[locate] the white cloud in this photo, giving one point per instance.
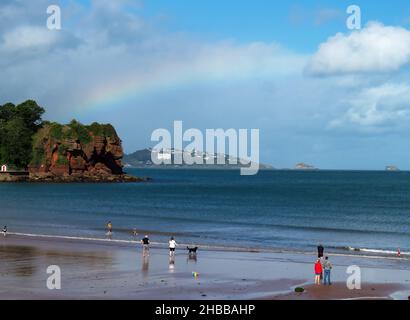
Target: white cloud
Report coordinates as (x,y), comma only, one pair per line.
(379,108)
(26,37)
(376,48)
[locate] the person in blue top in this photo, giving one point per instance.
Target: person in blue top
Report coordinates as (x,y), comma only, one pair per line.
(327,267)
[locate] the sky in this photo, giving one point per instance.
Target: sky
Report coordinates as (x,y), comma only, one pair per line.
(319,92)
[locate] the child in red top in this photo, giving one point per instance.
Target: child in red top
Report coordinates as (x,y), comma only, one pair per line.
(318,271)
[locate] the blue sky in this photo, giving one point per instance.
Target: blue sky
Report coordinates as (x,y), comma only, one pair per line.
(265,20)
(318,92)
(292,23)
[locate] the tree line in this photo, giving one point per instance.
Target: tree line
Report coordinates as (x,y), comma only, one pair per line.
(18,124)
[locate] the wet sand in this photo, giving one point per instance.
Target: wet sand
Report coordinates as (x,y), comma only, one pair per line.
(339,291)
(110,270)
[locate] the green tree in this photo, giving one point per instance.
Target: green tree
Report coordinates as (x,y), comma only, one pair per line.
(30,113)
(18,124)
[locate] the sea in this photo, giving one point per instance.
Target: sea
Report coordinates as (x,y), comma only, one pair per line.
(345,211)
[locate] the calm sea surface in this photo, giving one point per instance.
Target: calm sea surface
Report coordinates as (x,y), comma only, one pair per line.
(275,209)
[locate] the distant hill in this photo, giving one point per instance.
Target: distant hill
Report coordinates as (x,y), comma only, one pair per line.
(142,159)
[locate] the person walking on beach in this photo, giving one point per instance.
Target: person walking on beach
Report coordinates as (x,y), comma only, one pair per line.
(327,266)
(4,231)
(145,246)
(109,229)
(318,271)
(172,246)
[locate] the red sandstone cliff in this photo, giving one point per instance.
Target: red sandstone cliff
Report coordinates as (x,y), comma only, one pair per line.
(77,152)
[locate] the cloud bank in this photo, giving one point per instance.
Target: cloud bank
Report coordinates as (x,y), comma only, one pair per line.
(379,109)
(374,49)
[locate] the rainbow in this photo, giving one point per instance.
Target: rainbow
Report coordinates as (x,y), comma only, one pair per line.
(111,94)
(169,77)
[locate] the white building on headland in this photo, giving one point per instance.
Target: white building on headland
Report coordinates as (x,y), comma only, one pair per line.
(164,156)
(3,168)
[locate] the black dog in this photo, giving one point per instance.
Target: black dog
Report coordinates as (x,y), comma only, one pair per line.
(192,250)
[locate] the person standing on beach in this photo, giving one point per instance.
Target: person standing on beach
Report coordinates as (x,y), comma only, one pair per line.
(327,266)
(172,246)
(145,246)
(5,231)
(318,271)
(320,251)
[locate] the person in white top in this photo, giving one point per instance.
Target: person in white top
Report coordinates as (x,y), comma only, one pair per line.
(172,245)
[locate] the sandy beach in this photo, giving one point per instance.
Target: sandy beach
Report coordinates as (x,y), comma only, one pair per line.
(115,270)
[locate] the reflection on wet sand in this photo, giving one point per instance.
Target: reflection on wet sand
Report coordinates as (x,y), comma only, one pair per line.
(171,263)
(108,270)
(18,261)
(26,261)
(145,266)
(192,258)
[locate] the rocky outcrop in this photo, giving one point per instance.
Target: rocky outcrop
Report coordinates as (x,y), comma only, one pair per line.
(75,152)
(13,176)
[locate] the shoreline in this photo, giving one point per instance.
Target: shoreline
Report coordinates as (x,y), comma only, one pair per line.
(109,269)
(363,253)
(54,179)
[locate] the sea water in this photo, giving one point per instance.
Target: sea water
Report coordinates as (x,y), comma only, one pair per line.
(280,210)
